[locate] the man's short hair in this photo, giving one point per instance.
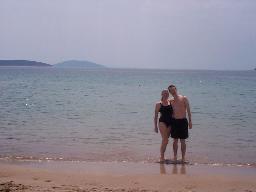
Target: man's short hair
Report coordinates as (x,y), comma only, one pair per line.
(171,86)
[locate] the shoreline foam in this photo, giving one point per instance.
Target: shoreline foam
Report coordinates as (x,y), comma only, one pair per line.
(61,159)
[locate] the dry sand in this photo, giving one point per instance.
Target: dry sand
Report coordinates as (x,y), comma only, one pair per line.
(124,177)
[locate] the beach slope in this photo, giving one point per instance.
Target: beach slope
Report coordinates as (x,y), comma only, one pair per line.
(89,177)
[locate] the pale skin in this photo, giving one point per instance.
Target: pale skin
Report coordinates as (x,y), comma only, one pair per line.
(164,130)
(181,109)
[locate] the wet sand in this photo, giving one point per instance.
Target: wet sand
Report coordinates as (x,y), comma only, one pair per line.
(117,176)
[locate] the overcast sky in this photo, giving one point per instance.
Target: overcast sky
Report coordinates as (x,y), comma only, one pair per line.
(174,34)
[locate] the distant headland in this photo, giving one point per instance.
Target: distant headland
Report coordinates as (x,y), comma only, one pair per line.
(22,63)
(78,64)
(65,64)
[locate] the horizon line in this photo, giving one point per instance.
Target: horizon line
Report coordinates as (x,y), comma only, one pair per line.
(150,68)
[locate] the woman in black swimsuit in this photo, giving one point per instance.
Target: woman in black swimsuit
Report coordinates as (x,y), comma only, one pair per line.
(164,124)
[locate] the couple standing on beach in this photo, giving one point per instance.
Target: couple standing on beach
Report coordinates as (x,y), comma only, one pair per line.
(173,121)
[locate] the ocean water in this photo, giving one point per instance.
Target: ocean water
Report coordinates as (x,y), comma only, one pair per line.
(107,114)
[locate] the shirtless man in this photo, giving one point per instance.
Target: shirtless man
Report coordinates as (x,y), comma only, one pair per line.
(180,123)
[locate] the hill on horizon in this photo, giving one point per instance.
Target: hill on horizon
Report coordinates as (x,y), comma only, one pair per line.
(23,63)
(78,64)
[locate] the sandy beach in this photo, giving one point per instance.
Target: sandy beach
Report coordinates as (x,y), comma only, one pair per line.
(133,177)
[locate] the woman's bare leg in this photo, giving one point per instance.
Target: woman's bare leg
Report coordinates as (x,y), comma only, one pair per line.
(165,132)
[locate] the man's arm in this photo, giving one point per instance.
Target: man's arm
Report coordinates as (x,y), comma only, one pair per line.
(188,111)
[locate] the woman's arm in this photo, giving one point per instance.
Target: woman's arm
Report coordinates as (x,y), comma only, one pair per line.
(156,116)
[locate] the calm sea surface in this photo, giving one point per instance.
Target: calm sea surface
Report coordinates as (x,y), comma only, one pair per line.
(107,114)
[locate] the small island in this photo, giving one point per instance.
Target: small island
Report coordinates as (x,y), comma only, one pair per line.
(22,63)
(78,64)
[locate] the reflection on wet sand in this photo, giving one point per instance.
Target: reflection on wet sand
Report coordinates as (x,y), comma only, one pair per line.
(176,169)
(162,169)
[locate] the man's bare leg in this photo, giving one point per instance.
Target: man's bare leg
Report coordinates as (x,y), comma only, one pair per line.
(183,149)
(175,148)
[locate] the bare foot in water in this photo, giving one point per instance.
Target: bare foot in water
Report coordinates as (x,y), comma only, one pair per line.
(183,161)
(162,160)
